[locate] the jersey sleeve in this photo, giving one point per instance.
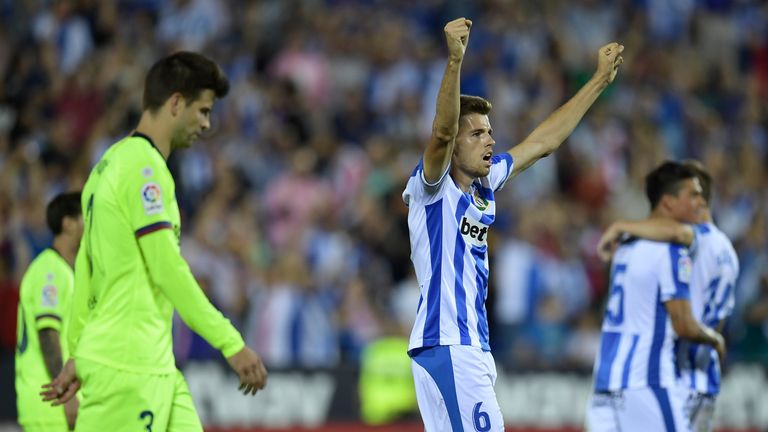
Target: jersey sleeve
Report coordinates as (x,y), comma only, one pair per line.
(78,309)
(171,274)
(675,272)
(501,169)
(147,195)
(418,188)
(48,287)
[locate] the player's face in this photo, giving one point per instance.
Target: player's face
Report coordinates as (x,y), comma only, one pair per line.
(474,145)
(688,205)
(73,226)
(194,119)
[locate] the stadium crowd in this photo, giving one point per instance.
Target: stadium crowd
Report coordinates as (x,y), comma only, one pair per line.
(293,220)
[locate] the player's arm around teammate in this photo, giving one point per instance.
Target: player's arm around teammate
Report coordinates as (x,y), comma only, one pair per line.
(656,229)
(445,126)
(548,136)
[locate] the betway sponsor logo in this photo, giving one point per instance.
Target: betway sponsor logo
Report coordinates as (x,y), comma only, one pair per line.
(474,232)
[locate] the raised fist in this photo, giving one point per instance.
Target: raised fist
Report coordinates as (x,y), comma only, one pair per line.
(608,60)
(457,35)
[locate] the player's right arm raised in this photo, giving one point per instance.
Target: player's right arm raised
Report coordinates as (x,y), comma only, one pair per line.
(438,154)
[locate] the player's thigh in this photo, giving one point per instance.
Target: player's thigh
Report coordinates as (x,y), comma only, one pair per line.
(454,389)
(657,409)
(475,374)
(116,401)
(432,407)
(184,416)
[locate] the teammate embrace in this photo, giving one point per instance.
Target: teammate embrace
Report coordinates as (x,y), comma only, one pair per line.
(688,286)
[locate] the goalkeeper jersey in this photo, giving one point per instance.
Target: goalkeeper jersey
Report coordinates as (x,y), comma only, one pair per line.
(123,314)
(46,289)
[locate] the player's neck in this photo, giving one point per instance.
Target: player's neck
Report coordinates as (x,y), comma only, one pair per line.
(661,213)
(463,181)
(155,127)
(63,245)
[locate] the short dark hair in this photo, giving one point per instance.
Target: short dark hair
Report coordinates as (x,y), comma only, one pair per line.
(666,180)
(63,205)
(705,179)
(473,105)
(183,72)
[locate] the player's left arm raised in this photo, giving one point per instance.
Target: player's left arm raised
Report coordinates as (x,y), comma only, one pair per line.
(548,136)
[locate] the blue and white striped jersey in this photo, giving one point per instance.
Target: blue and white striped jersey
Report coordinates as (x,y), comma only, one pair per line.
(637,341)
(715,270)
(449,249)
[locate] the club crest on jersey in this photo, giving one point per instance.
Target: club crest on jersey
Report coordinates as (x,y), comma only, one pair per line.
(480,202)
(684,268)
(474,232)
(50,297)
(152,198)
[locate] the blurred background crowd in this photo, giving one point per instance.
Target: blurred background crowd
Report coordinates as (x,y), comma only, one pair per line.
(293,220)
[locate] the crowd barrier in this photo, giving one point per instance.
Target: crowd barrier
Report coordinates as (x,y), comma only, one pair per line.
(531,402)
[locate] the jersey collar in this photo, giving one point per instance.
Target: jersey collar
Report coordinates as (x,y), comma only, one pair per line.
(149,140)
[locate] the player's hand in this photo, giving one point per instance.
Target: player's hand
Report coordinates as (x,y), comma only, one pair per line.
(250,369)
(608,60)
(608,243)
(63,387)
(719,346)
(70,410)
(457,36)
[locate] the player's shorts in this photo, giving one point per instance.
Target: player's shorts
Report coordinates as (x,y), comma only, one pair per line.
(638,410)
(45,427)
(700,410)
(454,389)
(38,416)
(115,400)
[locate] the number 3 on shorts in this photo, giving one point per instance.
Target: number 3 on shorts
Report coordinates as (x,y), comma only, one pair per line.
(149,418)
(482,419)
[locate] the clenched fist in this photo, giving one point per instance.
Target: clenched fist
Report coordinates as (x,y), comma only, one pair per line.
(608,61)
(457,35)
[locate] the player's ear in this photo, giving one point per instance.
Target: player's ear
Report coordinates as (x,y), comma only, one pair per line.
(668,202)
(176,103)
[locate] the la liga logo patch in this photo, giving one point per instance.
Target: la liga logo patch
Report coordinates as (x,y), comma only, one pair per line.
(684,268)
(152,198)
(50,297)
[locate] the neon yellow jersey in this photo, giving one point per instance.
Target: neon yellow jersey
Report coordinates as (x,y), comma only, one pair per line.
(122,312)
(44,299)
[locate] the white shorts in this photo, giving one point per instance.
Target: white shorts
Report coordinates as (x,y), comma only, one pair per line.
(638,410)
(700,410)
(454,388)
